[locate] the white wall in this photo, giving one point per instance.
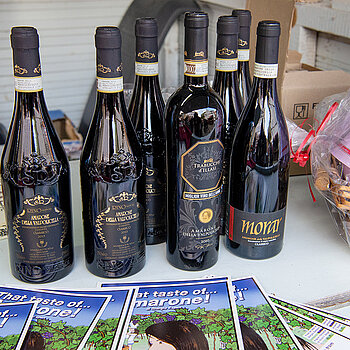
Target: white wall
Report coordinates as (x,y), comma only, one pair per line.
(66,29)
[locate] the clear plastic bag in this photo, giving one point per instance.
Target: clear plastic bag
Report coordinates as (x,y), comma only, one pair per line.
(330,159)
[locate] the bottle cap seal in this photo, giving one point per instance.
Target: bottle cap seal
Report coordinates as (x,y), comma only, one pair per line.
(269,29)
(108,38)
(196,20)
(146,27)
(24,38)
(245,17)
(228,25)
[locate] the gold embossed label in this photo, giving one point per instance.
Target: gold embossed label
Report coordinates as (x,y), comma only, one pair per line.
(118,228)
(39,230)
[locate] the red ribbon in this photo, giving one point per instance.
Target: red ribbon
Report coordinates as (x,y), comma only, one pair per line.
(302,156)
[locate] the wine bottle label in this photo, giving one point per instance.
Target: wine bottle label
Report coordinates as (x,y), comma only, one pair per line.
(39,231)
(108,85)
(201,168)
(243,55)
(224,65)
(117,230)
(155,199)
(265,70)
(146,69)
(31,84)
(196,68)
(256,229)
(199,224)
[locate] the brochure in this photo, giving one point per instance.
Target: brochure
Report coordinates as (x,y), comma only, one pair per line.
(15,319)
(63,320)
(312,335)
(328,314)
(330,322)
(106,333)
(200,314)
(260,322)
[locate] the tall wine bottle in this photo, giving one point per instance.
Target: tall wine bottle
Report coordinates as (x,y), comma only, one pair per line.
(195,135)
(35,175)
(110,168)
(244,80)
(259,170)
(146,110)
(226,85)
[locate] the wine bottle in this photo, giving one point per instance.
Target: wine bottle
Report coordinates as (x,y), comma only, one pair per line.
(259,170)
(110,168)
(35,175)
(146,110)
(226,85)
(244,80)
(195,135)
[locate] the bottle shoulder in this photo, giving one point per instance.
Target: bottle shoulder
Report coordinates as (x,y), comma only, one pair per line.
(188,98)
(32,134)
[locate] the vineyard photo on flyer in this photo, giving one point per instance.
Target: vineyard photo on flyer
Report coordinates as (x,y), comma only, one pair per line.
(15,319)
(259,321)
(61,320)
(200,314)
(105,335)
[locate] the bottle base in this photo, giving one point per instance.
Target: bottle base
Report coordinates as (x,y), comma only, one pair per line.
(253,252)
(31,274)
(115,269)
(200,263)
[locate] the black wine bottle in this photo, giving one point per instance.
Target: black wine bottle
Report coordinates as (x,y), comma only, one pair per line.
(195,135)
(146,110)
(259,170)
(110,167)
(226,85)
(244,80)
(35,175)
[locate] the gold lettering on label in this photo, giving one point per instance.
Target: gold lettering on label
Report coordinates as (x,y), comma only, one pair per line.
(199,54)
(20,70)
(226,51)
(146,54)
(37,69)
(242,42)
(261,227)
(119,68)
(102,69)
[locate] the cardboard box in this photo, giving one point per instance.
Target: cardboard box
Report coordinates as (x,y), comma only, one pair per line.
(72,141)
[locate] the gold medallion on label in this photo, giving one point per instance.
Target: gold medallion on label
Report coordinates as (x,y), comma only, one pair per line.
(205,215)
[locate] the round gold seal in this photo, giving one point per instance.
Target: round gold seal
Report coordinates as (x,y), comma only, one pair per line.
(205,215)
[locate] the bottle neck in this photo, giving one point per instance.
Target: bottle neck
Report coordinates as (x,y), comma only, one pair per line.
(265,85)
(27,70)
(112,101)
(226,53)
(109,72)
(146,58)
(196,56)
(197,81)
